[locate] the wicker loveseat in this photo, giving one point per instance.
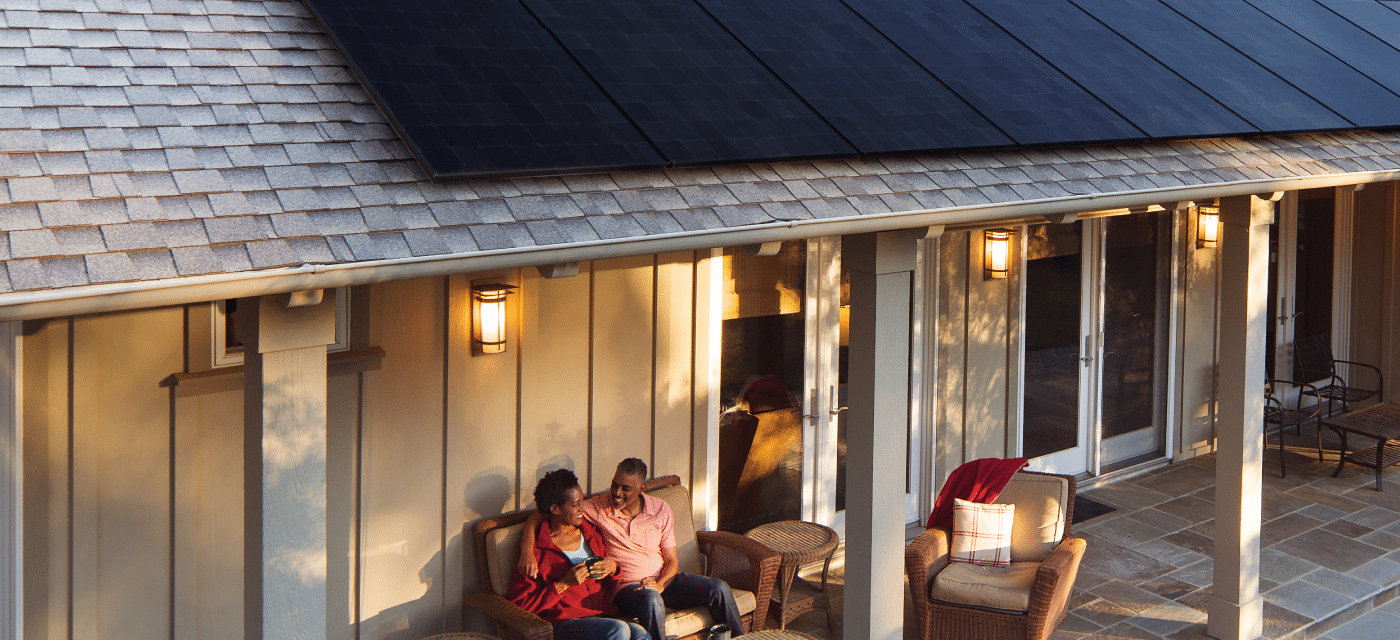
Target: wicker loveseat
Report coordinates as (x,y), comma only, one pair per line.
(1024,602)
(749,567)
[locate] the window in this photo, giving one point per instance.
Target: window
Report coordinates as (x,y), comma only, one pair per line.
(227,351)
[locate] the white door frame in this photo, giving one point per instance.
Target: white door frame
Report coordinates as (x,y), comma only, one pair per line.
(820,380)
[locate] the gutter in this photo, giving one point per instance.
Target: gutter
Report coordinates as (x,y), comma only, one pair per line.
(88,299)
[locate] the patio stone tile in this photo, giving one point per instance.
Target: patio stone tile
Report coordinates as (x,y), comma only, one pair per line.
(1392,529)
(1276,531)
(1330,550)
(1380,572)
(1168,587)
(1374,517)
(1126,531)
(1323,513)
(1123,631)
(1169,553)
(1377,625)
(1167,619)
(1059,634)
(1189,508)
(1207,493)
(1122,563)
(1279,622)
(1349,586)
(1080,597)
(1391,607)
(1193,632)
(1192,541)
(1198,600)
(1103,613)
(1177,480)
(1348,529)
(1128,596)
(1308,599)
(1278,504)
(1160,519)
(1368,496)
(1126,495)
(1201,574)
(1089,578)
(1076,624)
(1206,529)
(1381,539)
(1314,494)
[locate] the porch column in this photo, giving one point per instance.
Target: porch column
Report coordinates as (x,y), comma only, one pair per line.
(284,408)
(881,269)
(1236,610)
(11,485)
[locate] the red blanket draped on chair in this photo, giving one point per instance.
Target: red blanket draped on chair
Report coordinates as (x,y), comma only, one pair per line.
(977,481)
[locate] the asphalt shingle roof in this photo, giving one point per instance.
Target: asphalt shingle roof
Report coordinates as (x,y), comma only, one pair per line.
(150,139)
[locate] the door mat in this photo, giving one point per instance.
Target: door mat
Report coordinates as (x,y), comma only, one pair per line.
(1086,509)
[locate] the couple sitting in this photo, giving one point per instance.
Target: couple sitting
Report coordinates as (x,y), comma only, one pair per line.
(633,572)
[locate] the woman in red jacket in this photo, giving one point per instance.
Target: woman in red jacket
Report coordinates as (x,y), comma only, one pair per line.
(573,583)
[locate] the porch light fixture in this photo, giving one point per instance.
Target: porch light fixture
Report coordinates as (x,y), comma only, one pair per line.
(1207,226)
(489,317)
(996,254)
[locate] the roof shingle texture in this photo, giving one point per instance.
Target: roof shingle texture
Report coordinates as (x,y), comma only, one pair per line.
(150,139)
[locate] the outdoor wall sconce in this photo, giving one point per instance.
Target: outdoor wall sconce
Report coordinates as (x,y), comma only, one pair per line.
(1207,226)
(489,317)
(996,254)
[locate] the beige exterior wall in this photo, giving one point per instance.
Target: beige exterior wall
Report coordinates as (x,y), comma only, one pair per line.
(134,475)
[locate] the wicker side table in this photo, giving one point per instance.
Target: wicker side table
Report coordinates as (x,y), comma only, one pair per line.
(461,635)
(778,635)
(799,543)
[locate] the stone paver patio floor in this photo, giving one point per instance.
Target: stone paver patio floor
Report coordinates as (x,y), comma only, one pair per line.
(1329,561)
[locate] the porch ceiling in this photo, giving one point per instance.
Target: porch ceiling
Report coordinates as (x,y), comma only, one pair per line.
(211,149)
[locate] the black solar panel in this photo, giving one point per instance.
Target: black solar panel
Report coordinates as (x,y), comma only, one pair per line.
(690,86)
(1354,46)
(1251,91)
(1342,88)
(1014,88)
(1371,16)
(1139,88)
(479,88)
(873,93)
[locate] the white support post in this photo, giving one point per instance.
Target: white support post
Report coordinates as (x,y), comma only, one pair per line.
(881,269)
(1236,610)
(11,486)
(285,457)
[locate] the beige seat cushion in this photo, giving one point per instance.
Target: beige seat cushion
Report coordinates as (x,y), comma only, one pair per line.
(502,550)
(687,621)
(999,588)
(687,550)
(1040,514)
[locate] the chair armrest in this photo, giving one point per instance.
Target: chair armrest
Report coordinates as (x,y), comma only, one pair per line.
(743,563)
(1380,377)
(1054,583)
(925,556)
(510,615)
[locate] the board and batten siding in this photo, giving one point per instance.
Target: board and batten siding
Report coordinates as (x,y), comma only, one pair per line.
(133,514)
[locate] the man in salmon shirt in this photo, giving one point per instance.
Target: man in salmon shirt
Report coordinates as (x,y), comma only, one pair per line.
(640,534)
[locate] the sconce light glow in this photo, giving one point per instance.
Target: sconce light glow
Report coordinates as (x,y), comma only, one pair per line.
(489,317)
(1207,226)
(997,253)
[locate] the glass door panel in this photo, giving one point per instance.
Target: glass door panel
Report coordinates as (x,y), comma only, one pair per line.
(1054,305)
(1135,289)
(763,367)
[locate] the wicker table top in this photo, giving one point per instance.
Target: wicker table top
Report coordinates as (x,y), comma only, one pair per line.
(799,542)
(774,634)
(462,635)
(1380,421)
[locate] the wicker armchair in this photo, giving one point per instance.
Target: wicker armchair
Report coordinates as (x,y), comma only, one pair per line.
(1313,358)
(1040,535)
(750,568)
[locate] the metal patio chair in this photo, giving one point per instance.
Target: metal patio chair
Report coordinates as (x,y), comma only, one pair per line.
(1314,359)
(1278,416)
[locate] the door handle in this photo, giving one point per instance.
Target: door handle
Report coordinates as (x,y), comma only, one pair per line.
(1087,358)
(835,410)
(812,403)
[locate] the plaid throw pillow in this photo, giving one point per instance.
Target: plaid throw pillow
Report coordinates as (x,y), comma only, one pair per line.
(982,533)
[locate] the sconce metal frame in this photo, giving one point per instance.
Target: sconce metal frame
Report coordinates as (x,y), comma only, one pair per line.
(489,317)
(1207,226)
(996,253)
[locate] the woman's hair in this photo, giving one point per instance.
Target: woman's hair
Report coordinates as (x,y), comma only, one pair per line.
(553,489)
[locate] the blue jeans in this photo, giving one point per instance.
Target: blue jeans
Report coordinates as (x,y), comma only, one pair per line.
(599,629)
(684,592)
